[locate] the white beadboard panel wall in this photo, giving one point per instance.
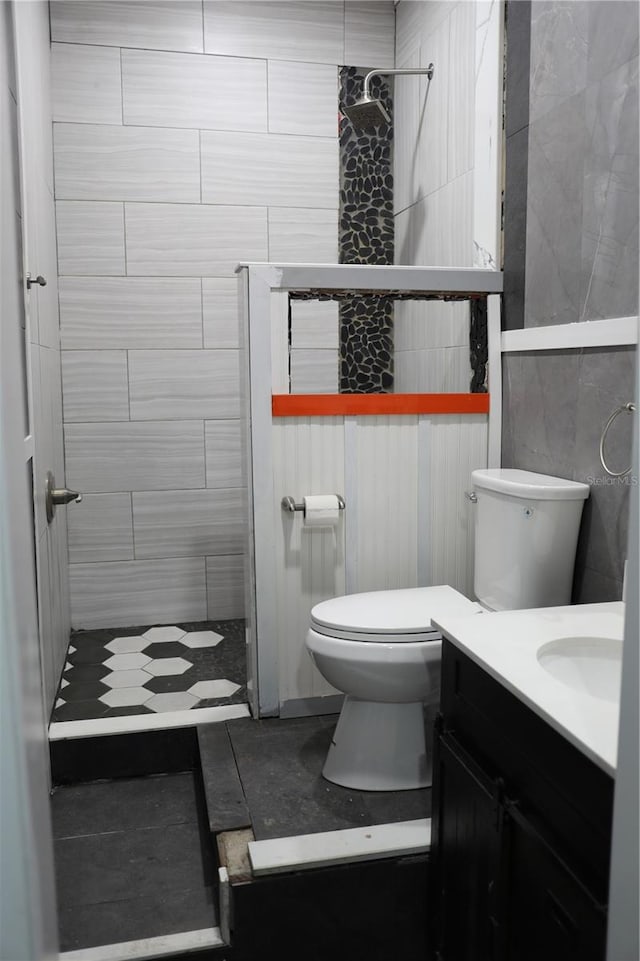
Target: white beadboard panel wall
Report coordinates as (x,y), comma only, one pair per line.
(195,240)
(274,169)
(86,82)
(369,33)
(220,312)
(149,235)
(290,30)
(410,522)
(184,384)
(457,446)
(130,312)
(123,593)
(387,484)
(225,586)
(90,238)
(303,235)
(95,385)
(201,92)
(154,24)
(303,98)
(106,162)
(308,458)
(102,458)
(187,523)
(223,453)
(101,529)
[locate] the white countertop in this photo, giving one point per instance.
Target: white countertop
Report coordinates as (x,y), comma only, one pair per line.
(505,645)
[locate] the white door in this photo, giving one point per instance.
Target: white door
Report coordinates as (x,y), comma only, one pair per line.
(27,905)
(43,334)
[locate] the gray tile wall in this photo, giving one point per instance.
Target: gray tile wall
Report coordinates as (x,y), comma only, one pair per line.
(580,113)
(188,136)
(571,254)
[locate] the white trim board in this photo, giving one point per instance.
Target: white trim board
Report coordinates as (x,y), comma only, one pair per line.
(168,944)
(494,341)
(101,726)
(278,855)
(616,332)
(362,277)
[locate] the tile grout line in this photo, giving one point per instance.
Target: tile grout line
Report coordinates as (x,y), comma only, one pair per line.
(199,53)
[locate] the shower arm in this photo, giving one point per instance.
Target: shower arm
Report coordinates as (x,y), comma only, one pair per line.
(366,94)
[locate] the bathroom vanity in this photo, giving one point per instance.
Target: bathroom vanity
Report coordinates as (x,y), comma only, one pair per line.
(524,759)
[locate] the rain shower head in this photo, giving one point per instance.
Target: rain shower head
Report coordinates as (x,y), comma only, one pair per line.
(369,112)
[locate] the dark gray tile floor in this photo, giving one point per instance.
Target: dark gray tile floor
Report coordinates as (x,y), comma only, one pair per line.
(145,670)
(133,860)
(280,764)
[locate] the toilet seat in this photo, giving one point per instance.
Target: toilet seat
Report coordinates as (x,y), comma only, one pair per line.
(397,617)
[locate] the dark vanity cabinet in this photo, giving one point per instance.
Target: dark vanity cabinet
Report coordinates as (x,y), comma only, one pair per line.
(521,830)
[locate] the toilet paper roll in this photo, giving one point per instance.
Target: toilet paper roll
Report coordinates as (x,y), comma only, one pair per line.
(321,510)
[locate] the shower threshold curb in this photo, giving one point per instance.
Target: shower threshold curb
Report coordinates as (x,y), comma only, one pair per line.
(397,839)
(132,723)
(167,945)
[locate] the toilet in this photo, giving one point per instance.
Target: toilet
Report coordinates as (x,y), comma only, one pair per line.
(381,649)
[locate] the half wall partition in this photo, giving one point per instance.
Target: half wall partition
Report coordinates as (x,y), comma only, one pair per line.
(400,461)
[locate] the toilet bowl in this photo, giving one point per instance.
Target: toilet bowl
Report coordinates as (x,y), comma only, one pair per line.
(382,651)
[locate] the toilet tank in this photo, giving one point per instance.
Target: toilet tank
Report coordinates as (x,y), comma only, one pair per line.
(526,532)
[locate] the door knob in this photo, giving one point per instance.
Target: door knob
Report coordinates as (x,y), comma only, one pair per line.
(35,280)
(55,496)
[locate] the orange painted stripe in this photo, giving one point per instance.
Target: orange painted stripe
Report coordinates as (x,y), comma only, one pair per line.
(331,405)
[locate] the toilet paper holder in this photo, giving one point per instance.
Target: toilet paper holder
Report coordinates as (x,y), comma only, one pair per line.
(288,504)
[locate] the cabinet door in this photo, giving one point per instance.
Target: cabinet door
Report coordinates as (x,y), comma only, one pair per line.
(466,847)
(551,914)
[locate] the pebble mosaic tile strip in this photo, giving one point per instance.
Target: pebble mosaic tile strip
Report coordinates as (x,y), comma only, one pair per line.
(366,237)
(478,346)
(116,672)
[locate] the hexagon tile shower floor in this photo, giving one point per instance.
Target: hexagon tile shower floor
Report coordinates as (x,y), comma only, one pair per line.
(119,671)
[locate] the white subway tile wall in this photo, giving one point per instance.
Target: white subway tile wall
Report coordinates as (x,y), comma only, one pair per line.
(90,238)
(189,136)
(433,185)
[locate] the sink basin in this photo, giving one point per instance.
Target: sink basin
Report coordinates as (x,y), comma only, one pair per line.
(590,665)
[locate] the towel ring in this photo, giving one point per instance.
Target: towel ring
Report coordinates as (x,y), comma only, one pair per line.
(630,409)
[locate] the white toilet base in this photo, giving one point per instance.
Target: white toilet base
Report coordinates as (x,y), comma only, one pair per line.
(379,747)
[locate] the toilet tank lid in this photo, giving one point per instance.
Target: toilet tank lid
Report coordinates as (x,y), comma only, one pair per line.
(528,484)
